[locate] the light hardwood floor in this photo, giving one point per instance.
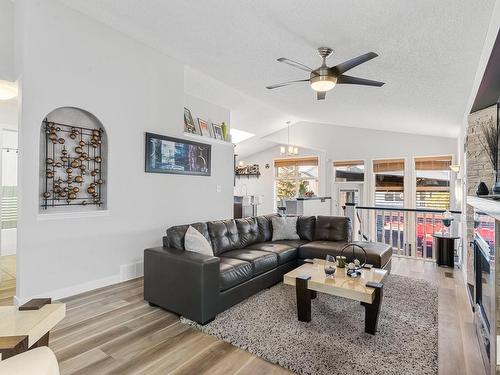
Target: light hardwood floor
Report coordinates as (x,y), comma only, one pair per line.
(113,331)
(7,279)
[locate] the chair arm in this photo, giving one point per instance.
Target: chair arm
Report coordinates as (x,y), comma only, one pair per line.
(184,282)
(41,361)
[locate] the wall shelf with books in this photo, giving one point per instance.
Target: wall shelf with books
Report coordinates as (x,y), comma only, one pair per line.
(212,131)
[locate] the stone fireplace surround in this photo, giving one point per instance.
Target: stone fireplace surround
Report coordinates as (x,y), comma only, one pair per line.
(478,169)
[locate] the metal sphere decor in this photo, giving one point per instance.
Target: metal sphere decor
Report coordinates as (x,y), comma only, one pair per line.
(349,252)
(70,150)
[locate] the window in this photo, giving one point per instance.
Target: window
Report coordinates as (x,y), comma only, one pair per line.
(389,192)
(432,191)
(433,182)
(349,171)
(389,182)
(296,177)
(9,180)
(238,136)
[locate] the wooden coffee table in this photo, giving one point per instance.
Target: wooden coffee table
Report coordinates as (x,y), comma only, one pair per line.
(310,278)
(27,329)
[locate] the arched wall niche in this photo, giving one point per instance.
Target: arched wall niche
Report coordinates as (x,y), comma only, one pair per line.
(73,162)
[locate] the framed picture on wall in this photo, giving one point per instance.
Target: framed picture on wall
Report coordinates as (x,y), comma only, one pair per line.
(176,156)
(204,128)
(217,129)
(189,126)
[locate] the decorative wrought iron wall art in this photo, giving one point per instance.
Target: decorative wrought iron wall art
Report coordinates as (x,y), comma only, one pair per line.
(73,165)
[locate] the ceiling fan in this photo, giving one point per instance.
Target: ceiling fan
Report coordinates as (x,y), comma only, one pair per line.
(325,78)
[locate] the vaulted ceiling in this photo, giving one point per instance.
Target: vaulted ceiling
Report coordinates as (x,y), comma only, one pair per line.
(429,51)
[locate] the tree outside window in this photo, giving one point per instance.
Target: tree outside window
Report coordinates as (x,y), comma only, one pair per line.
(296,177)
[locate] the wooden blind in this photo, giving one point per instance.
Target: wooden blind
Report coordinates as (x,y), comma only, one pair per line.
(310,161)
(388,165)
(348,163)
(432,163)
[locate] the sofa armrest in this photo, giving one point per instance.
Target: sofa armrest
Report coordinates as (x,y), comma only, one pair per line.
(183,282)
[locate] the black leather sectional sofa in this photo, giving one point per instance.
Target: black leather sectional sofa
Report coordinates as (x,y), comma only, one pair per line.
(246,261)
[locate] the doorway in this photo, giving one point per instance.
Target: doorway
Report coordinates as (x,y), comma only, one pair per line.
(8,197)
(346,192)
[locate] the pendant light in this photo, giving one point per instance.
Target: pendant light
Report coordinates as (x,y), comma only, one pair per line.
(289,149)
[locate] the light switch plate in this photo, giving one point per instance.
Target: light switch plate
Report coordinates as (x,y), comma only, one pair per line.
(218,188)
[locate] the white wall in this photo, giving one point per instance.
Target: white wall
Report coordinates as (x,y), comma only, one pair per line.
(131,89)
(247,113)
(8,114)
(6,40)
(344,143)
(333,142)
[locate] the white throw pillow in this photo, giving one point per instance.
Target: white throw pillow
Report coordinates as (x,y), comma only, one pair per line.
(285,228)
(196,242)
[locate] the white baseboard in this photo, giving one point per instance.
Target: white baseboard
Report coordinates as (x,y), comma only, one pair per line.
(131,271)
(135,270)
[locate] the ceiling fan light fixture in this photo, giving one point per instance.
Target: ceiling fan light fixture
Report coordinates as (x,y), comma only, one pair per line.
(323,83)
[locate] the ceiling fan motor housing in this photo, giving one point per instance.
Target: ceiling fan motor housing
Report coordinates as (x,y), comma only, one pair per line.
(322,79)
(325,52)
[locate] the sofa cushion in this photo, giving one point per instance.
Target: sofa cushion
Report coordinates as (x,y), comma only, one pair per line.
(196,242)
(265,227)
(233,272)
(248,231)
(261,261)
(285,228)
(332,228)
(176,234)
(305,227)
(285,250)
(224,235)
(378,253)
(320,249)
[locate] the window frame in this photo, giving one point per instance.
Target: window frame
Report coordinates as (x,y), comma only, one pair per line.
(296,176)
(351,163)
(451,181)
(406,173)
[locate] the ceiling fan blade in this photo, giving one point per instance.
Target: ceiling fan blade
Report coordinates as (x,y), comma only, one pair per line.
(349,64)
(295,64)
(286,84)
(343,79)
(321,95)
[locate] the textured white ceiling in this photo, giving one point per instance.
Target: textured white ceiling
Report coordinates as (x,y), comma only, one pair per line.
(429,51)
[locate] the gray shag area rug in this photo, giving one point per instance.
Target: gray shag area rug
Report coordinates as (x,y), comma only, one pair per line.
(334,342)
